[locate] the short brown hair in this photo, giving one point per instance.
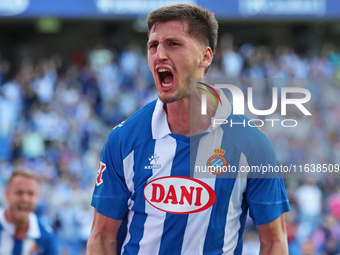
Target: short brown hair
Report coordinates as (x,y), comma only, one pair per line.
(22,172)
(202,23)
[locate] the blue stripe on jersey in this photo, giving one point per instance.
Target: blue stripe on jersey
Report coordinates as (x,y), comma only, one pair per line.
(141,175)
(215,234)
(134,131)
(175,224)
(122,231)
(173,232)
(141,159)
(194,143)
(132,247)
(47,241)
(17,247)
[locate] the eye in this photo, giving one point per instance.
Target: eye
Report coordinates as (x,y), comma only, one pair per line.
(152,46)
(174,44)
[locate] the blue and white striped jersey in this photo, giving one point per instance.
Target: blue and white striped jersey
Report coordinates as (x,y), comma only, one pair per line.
(39,241)
(149,177)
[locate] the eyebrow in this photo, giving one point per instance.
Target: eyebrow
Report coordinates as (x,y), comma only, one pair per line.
(152,42)
(170,39)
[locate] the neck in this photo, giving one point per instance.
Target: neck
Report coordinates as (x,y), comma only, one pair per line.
(178,115)
(185,118)
(21,226)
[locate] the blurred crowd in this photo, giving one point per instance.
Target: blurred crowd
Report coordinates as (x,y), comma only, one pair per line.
(56,113)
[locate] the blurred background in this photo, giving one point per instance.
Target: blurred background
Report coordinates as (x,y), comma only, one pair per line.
(70,70)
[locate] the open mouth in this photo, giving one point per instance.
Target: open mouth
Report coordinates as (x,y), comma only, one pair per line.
(23,208)
(166,77)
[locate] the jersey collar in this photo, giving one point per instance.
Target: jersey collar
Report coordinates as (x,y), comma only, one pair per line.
(159,122)
(33,225)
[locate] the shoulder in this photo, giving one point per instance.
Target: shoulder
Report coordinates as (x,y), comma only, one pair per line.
(46,231)
(249,140)
(134,130)
(47,242)
(244,132)
(141,118)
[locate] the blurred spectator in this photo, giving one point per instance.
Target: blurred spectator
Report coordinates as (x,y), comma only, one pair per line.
(21,230)
(308,248)
(309,203)
(4,68)
(232,60)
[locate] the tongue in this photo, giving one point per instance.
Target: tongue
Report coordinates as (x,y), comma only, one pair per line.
(168,79)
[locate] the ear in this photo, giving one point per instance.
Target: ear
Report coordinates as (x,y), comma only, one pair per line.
(207,57)
(7,194)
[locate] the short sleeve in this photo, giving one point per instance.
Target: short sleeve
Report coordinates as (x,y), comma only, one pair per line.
(111,194)
(47,241)
(265,193)
(52,246)
(267,199)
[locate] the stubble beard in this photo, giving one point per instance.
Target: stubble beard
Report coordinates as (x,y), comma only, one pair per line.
(17,217)
(179,95)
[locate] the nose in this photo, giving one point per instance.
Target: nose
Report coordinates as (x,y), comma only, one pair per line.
(161,53)
(25,197)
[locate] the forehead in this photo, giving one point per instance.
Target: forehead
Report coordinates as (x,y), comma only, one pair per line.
(23,182)
(169,29)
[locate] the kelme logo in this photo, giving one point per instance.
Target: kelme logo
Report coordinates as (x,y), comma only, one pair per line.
(180,195)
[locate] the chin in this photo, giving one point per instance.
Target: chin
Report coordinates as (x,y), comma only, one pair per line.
(167,99)
(22,216)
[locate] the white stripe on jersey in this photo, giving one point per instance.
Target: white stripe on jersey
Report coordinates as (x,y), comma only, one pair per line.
(27,246)
(198,223)
(128,163)
(166,150)
(129,218)
(128,172)
(233,224)
(6,243)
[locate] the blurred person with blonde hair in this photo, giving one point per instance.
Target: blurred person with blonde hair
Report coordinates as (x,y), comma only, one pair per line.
(21,232)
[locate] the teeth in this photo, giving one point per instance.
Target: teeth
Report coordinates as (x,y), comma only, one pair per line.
(23,208)
(163,70)
(166,84)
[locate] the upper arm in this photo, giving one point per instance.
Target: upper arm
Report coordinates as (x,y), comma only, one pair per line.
(103,238)
(273,232)
(104,225)
(111,194)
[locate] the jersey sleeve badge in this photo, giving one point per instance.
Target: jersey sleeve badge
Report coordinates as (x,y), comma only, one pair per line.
(101,169)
